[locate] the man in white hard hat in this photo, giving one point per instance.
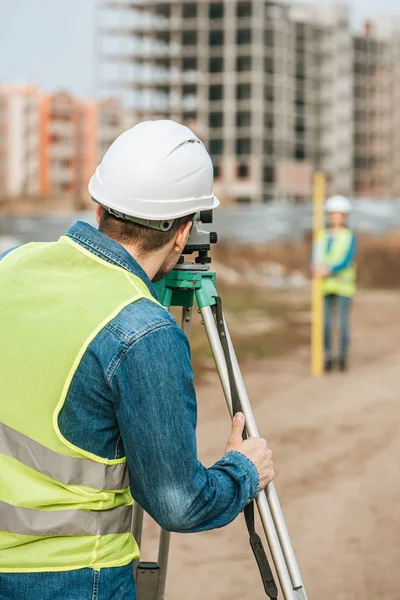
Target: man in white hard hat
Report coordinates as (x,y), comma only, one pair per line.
(336,264)
(97,403)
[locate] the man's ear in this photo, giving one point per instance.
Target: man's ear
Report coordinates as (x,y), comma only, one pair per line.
(99,210)
(181,237)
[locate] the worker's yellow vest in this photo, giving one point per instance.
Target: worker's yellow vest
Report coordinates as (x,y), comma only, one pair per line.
(61,507)
(342,283)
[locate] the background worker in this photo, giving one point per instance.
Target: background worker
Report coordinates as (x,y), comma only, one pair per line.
(335,262)
(95,376)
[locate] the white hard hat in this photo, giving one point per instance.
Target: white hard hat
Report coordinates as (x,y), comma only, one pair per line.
(338,204)
(156,171)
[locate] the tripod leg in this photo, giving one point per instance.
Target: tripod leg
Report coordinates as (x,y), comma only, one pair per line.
(163,555)
(289,589)
(270,492)
(137,529)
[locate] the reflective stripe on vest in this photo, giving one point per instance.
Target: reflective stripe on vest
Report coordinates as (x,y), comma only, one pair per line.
(26,521)
(65,469)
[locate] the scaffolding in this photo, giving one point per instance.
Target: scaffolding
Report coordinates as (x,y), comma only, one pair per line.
(271,88)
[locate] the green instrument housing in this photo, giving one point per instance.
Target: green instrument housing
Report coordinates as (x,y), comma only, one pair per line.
(181,287)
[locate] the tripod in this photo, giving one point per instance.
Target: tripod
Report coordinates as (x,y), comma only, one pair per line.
(187,284)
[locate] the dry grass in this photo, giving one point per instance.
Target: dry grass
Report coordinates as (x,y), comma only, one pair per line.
(263,325)
(266,323)
(378,259)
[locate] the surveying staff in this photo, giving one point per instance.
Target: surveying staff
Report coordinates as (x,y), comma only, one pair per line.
(335,263)
(96,382)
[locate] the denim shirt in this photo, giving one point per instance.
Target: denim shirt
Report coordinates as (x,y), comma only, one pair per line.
(133,395)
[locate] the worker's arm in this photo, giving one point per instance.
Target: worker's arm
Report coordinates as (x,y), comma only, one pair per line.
(156,409)
(348,259)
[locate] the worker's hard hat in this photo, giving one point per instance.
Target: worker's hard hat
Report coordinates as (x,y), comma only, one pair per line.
(338,204)
(156,171)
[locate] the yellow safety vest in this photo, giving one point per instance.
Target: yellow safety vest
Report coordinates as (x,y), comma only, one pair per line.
(61,507)
(342,283)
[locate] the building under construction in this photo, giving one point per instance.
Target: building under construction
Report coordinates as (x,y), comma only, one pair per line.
(275,90)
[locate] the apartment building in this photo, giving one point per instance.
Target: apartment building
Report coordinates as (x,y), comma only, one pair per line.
(68,144)
(111,120)
(50,145)
(266,85)
(19,140)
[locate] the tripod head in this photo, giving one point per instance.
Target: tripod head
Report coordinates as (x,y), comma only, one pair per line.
(199,241)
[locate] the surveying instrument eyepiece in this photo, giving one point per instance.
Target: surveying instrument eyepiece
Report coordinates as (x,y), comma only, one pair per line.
(187,285)
(199,241)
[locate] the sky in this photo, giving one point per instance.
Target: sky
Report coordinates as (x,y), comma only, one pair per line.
(50,43)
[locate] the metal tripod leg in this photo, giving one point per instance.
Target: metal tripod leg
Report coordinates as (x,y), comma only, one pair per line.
(151,578)
(267,503)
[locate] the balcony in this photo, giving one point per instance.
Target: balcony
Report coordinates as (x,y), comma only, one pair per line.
(61,174)
(62,129)
(62,151)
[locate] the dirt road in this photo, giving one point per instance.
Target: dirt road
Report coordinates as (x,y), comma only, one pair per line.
(337,452)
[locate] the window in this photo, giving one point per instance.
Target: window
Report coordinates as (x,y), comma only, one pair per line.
(217,171)
(163,10)
(216,38)
(189,63)
(243,91)
(360,91)
(243,64)
(361,44)
(360,162)
(216,119)
(243,171)
(361,139)
(216,10)
(299,152)
(269,93)
(300,30)
(163,36)
(268,121)
(361,116)
(268,37)
(243,146)
(189,117)
(189,90)
(243,36)
(215,92)
(243,119)
(268,65)
(189,11)
(300,127)
(268,147)
(216,65)
(216,147)
(269,174)
(243,9)
(189,38)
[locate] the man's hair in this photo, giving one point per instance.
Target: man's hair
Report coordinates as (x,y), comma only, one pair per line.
(145,238)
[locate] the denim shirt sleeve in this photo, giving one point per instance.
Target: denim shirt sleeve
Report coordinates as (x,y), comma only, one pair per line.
(156,408)
(348,259)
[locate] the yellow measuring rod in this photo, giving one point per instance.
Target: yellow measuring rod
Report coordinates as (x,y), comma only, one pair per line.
(317,352)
